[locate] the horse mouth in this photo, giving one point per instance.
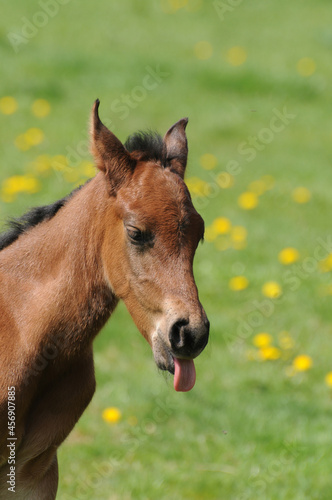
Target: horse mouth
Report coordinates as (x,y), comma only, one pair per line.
(167,365)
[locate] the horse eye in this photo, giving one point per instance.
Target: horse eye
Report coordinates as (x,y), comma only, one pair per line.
(137,236)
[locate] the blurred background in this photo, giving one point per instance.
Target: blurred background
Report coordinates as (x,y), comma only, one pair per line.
(254,78)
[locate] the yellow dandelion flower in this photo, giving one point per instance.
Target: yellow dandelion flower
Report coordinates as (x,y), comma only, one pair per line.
(198,187)
(41,108)
(222,225)
(88,168)
(288,256)
(269,353)
(34,136)
(13,184)
(248,200)
(301,195)
(19,184)
(272,289)
(236,56)
(258,187)
(262,339)
(208,161)
(239,234)
(306,66)
(302,363)
(238,283)
(203,50)
(112,415)
(328,379)
(325,265)
(31,185)
(8,105)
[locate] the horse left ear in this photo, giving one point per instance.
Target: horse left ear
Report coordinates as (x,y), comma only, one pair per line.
(110,154)
(176,147)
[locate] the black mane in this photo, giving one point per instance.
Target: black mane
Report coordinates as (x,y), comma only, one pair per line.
(150,144)
(20,225)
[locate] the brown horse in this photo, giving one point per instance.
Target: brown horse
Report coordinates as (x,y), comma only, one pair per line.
(129,233)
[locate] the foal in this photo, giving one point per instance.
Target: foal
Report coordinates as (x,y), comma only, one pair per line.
(129,233)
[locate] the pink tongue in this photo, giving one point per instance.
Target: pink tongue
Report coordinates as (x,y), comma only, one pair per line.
(185,374)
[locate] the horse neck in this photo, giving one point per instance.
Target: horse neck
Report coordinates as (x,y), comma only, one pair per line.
(58,265)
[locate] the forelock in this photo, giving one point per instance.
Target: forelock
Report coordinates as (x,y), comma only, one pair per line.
(148,145)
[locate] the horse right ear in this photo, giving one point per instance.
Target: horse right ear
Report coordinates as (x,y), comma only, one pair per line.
(111,156)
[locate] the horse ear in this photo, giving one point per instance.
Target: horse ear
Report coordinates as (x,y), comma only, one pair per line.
(111,156)
(176,147)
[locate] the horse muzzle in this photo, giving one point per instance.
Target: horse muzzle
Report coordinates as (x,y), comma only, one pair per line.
(186,340)
(176,350)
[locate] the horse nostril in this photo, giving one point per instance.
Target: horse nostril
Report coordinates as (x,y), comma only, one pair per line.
(176,334)
(188,340)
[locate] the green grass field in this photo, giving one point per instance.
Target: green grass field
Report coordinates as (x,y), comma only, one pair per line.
(254,78)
